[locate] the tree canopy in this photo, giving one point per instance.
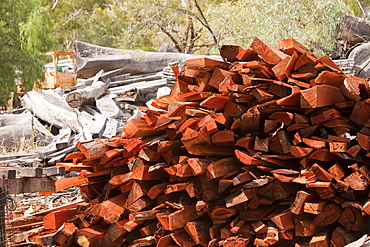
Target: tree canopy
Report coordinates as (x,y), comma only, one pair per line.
(25,30)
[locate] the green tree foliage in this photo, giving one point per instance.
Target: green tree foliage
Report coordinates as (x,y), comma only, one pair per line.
(360,8)
(312,23)
(78,19)
(143,25)
(24,33)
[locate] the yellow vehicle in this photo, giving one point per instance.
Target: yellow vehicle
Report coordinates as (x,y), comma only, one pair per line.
(60,72)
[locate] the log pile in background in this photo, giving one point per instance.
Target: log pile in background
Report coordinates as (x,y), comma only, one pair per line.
(269,148)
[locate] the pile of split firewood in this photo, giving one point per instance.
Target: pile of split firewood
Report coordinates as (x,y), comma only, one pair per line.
(268,148)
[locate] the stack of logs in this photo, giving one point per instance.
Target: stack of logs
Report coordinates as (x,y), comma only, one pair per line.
(268,148)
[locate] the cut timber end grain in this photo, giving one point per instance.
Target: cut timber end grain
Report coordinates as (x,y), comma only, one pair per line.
(230,52)
(199,231)
(289,46)
(178,219)
(337,171)
(87,237)
(282,117)
(235,242)
(274,190)
(320,95)
(304,227)
(284,220)
(239,197)
(329,63)
(272,235)
(223,138)
(330,78)
(139,128)
(65,234)
(364,141)
(357,181)
(206,64)
(360,113)
(320,240)
(93,149)
(56,219)
(300,152)
(342,237)
(112,209)
(181,238)
(224,168)
(314,207)
(216,102)
(298,205)
(267,52)
(320,173)
(352,219)
(329,215)
(247,55)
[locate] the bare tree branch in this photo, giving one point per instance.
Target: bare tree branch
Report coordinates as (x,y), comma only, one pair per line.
(72,17)
(202,20)
(207,25)
(177,45)
(54,5)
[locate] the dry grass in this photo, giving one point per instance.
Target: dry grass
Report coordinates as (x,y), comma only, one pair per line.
(22,146)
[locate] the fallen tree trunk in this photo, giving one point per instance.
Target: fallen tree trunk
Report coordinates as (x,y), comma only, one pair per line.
(90,59)
(86,95)
(354,30)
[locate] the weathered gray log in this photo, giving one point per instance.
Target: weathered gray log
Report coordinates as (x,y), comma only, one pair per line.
(98,127)
(19,161)
(110,128)
(17,156)
(354,30)
(108,107)
(53,109)
(92,58)
(147,86)
(134,79)
(361,57)
(86,95)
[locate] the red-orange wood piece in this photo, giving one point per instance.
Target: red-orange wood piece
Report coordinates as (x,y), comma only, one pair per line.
(330,78)
(247,55)
(54,220)
(230,52)
(329,215)
(65,183)
(87,237)
(321,95)
(93,149)
(267,52)
(112,209)
(223,168)
(206,64)
(217,102)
